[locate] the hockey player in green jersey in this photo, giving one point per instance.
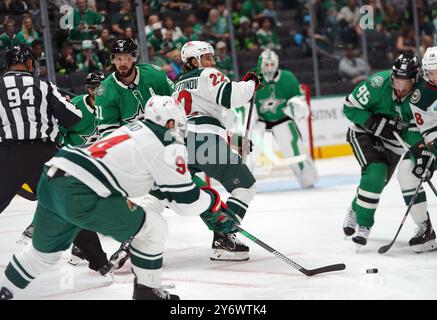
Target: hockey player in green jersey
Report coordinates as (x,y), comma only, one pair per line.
(85,132)
(411,169)
(206,93)
(376,108)
(88,188)
(121,98)
(280,104)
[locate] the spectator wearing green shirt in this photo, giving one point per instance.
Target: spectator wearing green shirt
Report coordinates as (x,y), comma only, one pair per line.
(8,39)
(124,18)
(224,61)
(216,28)
(246,37)
(87,61)
(267,39)
(150,22)
(196,27)
(156,39)
(28,32)
(252,9)
(86,22)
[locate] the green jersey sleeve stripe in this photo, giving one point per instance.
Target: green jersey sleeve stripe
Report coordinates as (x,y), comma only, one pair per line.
(177,189)
(175,186)
(86,164)
(226,95)
(179,197)
(114,179)
(217,99)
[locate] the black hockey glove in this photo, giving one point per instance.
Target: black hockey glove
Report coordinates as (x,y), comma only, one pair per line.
(382,127)
(422,155)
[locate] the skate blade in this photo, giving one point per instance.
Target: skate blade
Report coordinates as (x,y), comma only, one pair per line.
(224,255)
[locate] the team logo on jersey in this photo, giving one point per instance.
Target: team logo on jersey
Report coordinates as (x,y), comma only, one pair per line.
(376,81)
(415,97)
(100,90)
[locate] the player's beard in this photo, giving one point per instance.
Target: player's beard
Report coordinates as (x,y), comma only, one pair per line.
(124,74)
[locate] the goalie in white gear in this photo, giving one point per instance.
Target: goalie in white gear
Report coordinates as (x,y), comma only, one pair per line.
(88,188)
(280,106)
(205,92)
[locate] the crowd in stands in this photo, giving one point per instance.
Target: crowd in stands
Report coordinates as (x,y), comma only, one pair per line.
(258,24)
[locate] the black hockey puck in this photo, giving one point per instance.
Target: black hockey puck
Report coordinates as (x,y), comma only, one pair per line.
(372,270)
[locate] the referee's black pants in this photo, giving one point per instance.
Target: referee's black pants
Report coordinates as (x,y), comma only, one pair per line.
(22,162)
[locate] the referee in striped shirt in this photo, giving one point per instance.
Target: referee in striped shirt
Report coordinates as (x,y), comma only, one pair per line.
(30,111)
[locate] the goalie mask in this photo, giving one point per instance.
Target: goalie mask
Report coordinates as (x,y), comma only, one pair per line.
(196,49)
(161,109)
(269,64)
(429,66)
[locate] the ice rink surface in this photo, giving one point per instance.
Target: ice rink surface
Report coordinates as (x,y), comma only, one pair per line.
(305,225)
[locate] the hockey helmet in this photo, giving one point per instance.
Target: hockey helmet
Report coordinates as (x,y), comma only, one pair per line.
(269,64)
(429,62)
(127,45)
(196,49)
(19,54)
(406,66)
(94,79)
(161,109)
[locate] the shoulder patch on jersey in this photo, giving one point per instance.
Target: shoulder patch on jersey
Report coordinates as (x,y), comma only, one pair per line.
(376,81)
(415,97)
(100,90)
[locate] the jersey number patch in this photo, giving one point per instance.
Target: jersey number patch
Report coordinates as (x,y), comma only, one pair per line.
(98,149)
(180,164)
(215,78)
(188,100)
(419,119)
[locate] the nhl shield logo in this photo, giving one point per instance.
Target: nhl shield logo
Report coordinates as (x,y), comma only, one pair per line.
(415,97)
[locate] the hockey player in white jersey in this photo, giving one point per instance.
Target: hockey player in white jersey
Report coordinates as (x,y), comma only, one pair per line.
(205,92)
(88,188)
(412,166)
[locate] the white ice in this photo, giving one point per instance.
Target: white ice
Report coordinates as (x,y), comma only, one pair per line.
(305,225)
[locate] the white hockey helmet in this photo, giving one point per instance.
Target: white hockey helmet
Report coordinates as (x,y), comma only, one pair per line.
(429,61)
(195,49)
(269,64)
(161,109)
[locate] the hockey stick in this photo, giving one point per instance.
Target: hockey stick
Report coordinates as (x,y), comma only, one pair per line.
(307,272)
(246,134)
(387,247)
